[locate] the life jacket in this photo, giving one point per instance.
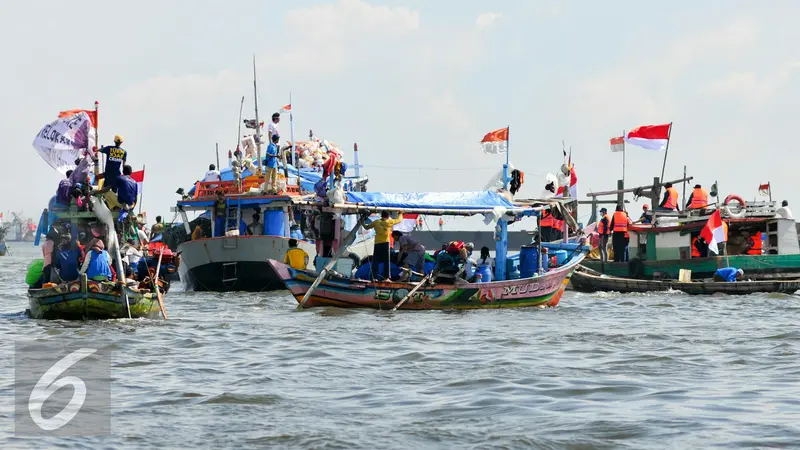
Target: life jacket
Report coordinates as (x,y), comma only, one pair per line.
(454,247)
(602,226)
(695,250)
(547,220)
(672,199)
(441,222)
(699,199)
(756,244)
(620,222)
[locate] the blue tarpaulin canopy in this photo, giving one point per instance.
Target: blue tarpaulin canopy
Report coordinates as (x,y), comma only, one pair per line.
(466,201)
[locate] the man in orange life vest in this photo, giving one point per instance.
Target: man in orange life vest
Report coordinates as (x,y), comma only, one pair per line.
(547,223)
(699,247)
(603,229)
(670,201)
(619,227)
(754,244)
(698,199)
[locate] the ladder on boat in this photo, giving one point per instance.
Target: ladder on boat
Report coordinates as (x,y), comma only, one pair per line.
(233,217)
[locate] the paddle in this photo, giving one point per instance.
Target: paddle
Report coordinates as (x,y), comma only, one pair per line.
(155,287)
(413,291)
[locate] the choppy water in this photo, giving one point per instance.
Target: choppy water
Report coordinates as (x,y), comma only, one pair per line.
(600,371)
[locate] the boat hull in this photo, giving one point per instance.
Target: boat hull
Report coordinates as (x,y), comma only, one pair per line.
(585,281)
(541,291)
(235,263)
(762,267)
(89,301)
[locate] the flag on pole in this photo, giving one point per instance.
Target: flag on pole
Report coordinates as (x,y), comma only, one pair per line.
(138,177)
(764,189)
(251,123)
(64,140)
(651,137)
(715,231)
(408,223)
(573,184)
(618,144)
(495,142)
(90,112)
(286,108)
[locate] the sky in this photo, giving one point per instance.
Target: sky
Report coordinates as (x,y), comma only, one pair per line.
(416,84)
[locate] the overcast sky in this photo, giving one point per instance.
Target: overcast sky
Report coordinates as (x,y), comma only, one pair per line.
(415,83)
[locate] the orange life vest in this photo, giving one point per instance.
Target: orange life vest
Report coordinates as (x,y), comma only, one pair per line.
(601,226)
(547,220)
(699,199)
(756,244)
(695,250)
(672,199)
(620,222)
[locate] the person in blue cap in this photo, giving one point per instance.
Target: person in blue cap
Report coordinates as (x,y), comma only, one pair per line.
(728,274)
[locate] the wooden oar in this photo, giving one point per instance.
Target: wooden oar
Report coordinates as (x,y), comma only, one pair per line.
(413,291)
(158,291)
(346,243)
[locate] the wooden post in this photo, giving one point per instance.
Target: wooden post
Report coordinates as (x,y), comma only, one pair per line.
(683,200)
(620,196)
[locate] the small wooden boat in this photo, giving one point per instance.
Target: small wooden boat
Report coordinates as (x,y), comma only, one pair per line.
(543,290)
(587,280)
(85,299)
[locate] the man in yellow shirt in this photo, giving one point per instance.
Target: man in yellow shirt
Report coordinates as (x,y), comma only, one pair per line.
(296,257)
(381,250)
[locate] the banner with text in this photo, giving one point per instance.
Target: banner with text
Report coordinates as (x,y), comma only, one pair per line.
(62,141)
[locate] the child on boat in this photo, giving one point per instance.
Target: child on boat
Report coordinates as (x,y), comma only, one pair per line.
(296,257)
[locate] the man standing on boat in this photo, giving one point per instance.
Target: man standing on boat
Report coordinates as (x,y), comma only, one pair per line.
(619,227)
(116,157)
(604,229)
(272,165)
(413,250)
(272,128)
(381,249)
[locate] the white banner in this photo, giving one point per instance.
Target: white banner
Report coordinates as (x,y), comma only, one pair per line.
(62,141)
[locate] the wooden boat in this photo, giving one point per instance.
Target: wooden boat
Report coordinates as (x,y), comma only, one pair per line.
(544,290)
(587,280)
(85,300)
(540,287)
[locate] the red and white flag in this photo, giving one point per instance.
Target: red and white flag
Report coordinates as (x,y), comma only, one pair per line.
(495,142)
(618,144)
(408,224)
(651,137)
(286,108)
(764,189)
(138,177)
(715,231)
(573,184)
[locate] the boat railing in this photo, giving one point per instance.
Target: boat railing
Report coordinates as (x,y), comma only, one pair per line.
(208,189)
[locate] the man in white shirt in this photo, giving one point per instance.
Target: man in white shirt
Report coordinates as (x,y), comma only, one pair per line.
(784,211)
(469,264)
(212,174)
(273,127)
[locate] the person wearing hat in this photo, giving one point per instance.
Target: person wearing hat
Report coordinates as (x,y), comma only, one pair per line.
(603,230)
(116,156)
(729,274)
(272,128)
(271,164)
(619,229)
(97,264)
(645,217)
(698,199)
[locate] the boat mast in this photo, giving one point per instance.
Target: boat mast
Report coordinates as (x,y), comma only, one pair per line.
(258,124)
(239,133)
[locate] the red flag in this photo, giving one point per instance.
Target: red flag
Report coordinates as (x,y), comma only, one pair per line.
(287,108)
(617,144)
(764,189)
(92,114)
(651,137)
(138,177)
(495,142)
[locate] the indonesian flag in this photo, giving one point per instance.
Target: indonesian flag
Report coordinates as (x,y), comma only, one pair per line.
(251,124)
(90,112)
(495,142)
(715,231)
(651,137)
(763,189)
(408,224)
(618,144)
(138,177)
(286,109)
(573,184)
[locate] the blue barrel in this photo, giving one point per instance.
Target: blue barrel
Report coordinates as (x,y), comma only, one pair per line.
(485,272)
(561,256)
(274,222)
(529,261)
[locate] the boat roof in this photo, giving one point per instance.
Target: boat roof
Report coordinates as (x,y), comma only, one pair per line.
(463,203)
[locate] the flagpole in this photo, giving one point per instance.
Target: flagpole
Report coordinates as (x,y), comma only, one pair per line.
(97,139)
(291,136)
(666,151)
(769,189)
(258,124)
(218,166)
(239,133)
(623,158)
(141,194)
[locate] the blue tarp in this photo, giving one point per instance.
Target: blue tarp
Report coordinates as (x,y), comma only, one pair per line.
(471,200)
